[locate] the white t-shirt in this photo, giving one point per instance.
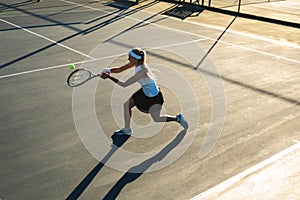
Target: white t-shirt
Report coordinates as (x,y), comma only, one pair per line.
(149,86)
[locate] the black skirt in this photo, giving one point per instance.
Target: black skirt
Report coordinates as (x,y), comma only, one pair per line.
(144,103)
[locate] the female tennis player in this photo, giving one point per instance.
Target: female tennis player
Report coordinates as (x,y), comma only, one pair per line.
(148,99)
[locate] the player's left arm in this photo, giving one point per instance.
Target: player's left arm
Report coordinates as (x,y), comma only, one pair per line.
(128,82)
(118,69)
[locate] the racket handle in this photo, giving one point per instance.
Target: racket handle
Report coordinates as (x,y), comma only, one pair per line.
(100,74)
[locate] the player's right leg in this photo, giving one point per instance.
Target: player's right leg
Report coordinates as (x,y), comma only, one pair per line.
(157,117)
(128,105)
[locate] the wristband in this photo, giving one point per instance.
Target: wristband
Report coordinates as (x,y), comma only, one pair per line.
(107,70)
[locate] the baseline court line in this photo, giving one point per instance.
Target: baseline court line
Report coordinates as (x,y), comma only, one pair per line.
(233,180)
(48,39)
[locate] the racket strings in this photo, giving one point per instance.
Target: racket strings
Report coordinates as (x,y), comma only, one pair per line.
(79,77)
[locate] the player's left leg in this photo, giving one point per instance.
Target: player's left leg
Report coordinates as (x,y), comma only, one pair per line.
(157,117)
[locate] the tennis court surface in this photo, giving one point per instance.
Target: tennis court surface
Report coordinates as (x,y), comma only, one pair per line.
(235,78)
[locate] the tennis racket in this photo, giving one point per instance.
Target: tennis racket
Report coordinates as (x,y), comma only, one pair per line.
(80,76)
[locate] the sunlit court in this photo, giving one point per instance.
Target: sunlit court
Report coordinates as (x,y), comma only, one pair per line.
(74,125)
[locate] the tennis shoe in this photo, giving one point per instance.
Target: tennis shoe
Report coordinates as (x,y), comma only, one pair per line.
(182,121)
(123,131)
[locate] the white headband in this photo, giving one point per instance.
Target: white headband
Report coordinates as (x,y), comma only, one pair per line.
(135,55)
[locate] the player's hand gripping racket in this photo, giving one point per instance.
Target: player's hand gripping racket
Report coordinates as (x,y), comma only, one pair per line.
(81,76)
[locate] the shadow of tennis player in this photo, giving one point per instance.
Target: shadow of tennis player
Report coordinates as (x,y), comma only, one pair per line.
(118,141)
(130,176)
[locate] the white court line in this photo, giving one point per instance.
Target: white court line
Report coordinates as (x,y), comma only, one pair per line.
(41,36)
(283,4)
(94,60)
(39,70)
(233,180)
(262,52)
(296,141)
(249,35)
(198,35)
(284,43)
(53,67)
(276,9)
(135,19)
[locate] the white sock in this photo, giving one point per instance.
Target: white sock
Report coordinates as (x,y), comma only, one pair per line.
(127,130)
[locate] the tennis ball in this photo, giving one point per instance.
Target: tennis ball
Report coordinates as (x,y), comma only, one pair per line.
(72,66)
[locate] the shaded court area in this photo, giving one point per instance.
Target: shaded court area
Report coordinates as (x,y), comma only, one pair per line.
(235,79)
